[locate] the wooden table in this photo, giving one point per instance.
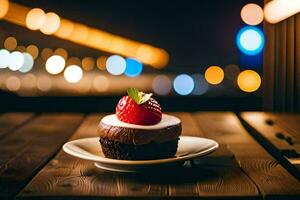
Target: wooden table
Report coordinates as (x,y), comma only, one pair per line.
(33,166)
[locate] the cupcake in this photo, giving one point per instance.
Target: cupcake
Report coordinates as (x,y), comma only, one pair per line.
(139,130)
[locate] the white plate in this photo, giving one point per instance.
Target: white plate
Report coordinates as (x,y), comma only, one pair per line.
(89,149)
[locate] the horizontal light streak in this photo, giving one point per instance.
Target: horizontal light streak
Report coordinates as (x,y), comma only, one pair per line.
(95,38)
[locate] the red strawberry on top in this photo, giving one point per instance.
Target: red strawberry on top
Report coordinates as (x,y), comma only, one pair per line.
(138,108)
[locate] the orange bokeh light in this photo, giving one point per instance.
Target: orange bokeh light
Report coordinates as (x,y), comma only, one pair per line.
(214,75)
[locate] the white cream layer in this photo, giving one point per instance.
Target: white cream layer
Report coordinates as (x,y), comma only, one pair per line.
(167,120)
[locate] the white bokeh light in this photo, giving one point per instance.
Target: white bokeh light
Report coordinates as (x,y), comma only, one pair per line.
(116,65)
(28,63)
(4,58)
(73,73)
(55,64)
(16,60)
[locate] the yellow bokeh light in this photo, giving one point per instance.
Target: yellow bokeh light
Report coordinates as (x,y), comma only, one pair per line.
(214,75)
(73,61)
(252,14)
(101,62)
(35,19)
(65,29)
(144,52)
(46,53)
(61,52)
(79,33)
(4,5)
(249,81)
(51,23)
(10,43)
(88,63)
(33,51)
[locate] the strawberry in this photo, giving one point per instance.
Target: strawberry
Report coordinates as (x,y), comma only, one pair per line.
(138,108)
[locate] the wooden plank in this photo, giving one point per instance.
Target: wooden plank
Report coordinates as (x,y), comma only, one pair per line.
(297,63)
(270,177)
(27,149)
(216,176)
(269,63)
(290,65)
(11,121)
(68,177)
(280,140)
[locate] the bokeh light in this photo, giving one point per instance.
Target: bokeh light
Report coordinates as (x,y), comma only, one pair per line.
(250,40)
(13,83)
(133,67)
(231,71)
(35,19)
(16,60)
(55,64)
(46,53)
(162,85)
(252,14)
(61,52)
(28,63)
(101,83)
(22,49)
(101,62)
(29,81)
(4,58)
(115,65)
(73,61)
(249,81)
(51,23)
(33,50)
(4,5)
(183,84)
(44,83)
(201,86)
(88,63)
(73,73)
(214,75)
(10,43)
(65,29)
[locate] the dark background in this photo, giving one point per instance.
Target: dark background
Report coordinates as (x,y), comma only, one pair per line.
(196,34)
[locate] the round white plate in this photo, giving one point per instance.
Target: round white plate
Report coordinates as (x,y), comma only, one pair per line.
(188,148)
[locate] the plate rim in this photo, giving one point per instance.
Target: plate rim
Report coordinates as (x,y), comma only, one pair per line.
(139,162)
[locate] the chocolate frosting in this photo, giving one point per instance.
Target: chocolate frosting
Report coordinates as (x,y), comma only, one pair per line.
(139,136)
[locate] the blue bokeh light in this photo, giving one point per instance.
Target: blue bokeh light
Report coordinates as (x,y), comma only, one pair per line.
(133,67)
(250,40)
(116,65)
(183,84)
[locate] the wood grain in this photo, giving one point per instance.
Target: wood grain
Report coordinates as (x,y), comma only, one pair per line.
(269,176)
(275,137)
(11,121)
(218,175)
(70,178)
(27,149)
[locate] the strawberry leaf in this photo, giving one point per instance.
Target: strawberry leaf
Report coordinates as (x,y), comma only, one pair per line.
(138,97)
(134,94)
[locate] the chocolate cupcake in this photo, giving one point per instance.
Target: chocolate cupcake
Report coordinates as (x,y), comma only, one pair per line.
(139,130)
